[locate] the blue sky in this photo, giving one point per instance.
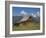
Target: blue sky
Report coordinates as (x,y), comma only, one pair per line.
(17,10)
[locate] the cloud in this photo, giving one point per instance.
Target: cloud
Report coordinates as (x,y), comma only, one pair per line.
(34,15)
(23,12)
(38,14)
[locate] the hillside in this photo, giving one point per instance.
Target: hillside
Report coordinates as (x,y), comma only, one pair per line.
(33,25)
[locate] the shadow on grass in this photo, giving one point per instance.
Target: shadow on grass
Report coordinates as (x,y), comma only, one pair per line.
(16,24)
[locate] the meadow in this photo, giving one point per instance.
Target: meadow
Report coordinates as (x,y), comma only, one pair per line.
(26,26)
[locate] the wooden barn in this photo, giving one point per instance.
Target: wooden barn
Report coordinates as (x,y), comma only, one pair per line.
(25,19)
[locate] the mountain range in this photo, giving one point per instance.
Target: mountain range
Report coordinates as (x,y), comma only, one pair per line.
(24,16)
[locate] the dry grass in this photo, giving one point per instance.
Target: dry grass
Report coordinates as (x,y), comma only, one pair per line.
(27,26)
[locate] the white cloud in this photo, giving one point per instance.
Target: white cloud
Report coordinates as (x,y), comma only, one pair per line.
(38,14)
(34,15)
(23,12)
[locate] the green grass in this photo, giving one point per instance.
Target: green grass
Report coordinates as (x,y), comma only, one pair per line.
(27,26)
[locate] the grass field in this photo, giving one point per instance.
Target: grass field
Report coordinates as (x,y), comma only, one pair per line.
(27,26)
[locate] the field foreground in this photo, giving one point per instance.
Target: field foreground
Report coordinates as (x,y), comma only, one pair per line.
(26,26)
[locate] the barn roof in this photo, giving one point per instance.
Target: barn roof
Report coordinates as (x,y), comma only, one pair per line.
(24,18)
(19,20)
